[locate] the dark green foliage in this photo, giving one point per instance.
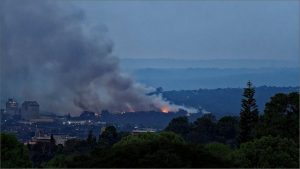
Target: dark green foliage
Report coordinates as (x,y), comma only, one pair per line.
(267,152)
(163,137)
(58,161)
(281,117)
(179,125)
(41,152)
(204,129)
(149,150)
(52,140)
(219,150)
(227,130)
(13,153)
(108,137)
(68,161)
(166,149)
(91,139)
(248,115)
(123,134)
(76,146)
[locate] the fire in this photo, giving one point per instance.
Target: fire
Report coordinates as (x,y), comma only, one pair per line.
(165,109)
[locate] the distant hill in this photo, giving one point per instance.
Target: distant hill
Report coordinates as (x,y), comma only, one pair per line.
(220,102)
(186,74)
(195,78)
(142,63)
(223,101)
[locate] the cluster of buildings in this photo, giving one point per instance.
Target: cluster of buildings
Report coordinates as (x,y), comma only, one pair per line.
(27,122)
(28,110)
(32,126)
(41,137)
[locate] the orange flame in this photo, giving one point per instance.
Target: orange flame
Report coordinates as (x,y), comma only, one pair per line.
(165,109)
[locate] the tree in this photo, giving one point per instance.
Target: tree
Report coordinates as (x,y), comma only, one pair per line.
(52,147)
(108,137)
(179,125)
(203,129)
(41,152)
(76,146)
(281,117)
(267,152)
(13,153)
(219,150)
(52,140)
(91,139)
(67,161)
(248,115)
(165,149)
(227,129)
(59,161)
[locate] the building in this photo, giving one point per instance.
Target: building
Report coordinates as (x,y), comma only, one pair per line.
(11,107)
(42,119)
(41,137)
(62,139)
(30,110)
(87,115)
(143,130)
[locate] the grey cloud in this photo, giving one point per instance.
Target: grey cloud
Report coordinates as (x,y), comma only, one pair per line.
(47,56)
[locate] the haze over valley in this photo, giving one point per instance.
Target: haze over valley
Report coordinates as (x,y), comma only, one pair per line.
(181,74)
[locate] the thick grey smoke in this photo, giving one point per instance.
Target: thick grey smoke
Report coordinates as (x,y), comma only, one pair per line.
(49,54)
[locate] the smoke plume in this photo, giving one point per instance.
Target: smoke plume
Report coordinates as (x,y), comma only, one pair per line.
(50,54)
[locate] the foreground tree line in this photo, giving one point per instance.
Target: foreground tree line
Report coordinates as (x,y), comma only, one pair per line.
(250,140)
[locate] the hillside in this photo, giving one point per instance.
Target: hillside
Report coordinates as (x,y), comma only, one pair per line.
(211,78)
(223,101)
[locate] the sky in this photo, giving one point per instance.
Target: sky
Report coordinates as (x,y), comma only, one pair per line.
(199,29)
(44,44)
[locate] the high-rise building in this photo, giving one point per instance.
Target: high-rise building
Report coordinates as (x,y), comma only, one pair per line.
(30,110)
(11,107)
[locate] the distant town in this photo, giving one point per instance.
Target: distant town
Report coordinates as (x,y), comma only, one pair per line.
(31,126)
